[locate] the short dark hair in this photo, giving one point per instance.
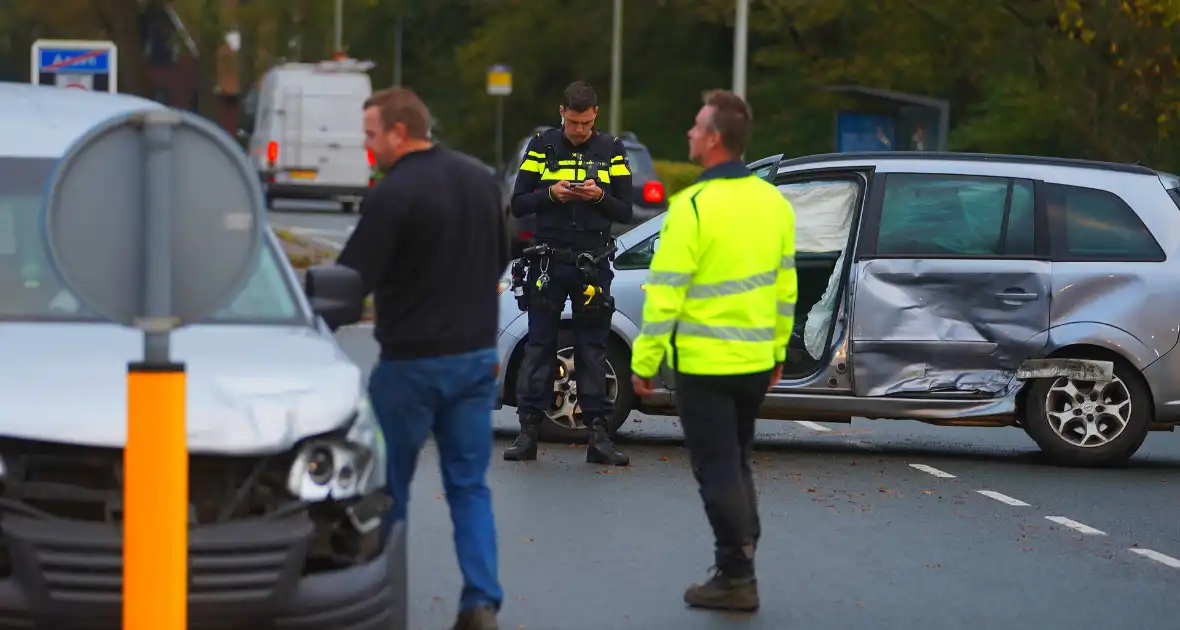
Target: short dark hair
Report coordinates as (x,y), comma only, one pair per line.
(402,105)
(579,97)
(732,118)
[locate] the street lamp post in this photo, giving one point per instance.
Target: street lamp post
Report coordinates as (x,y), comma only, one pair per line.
(616,69)
(338,40)
(741,28)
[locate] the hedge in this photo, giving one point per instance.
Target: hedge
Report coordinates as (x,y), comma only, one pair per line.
(676,175)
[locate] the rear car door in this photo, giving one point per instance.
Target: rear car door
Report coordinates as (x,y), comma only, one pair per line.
(952,285)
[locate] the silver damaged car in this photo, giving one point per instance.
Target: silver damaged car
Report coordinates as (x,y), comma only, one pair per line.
(950,288)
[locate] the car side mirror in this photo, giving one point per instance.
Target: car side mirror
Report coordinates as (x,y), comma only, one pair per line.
(336,293)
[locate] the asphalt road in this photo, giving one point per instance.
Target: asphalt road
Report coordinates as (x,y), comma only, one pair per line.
(871,525)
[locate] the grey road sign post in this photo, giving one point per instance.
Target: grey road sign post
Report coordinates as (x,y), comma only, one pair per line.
(170,205)
(175,213)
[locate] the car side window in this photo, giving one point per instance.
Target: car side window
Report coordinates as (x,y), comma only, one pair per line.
(640,255)
(956,215)
(764,171)
(1096,225)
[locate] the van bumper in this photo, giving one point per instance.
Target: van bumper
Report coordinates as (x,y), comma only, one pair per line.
(314,192)
(247,574)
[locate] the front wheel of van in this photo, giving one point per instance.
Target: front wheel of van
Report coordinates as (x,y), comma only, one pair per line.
(1083,423)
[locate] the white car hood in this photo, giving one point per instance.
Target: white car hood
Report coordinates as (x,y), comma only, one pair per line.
(250,389)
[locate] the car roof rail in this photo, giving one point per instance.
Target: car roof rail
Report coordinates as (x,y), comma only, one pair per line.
(970,157)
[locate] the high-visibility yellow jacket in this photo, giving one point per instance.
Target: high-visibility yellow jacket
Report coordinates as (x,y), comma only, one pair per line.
(722,287)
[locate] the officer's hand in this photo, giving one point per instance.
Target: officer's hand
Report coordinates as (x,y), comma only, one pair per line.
(642,386)
(589,191)
(562,192)
(775,376)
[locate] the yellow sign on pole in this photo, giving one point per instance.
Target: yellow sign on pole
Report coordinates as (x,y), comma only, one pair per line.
(499,80)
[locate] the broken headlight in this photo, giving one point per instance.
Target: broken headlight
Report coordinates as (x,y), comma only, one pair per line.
(341,467)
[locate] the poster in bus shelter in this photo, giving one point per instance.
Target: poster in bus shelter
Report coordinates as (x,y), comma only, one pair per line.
(864,132)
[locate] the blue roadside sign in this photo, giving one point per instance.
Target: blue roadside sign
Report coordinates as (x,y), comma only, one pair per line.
(73,60)
(80,64)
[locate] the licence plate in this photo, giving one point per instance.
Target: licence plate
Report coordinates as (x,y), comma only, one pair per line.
(302,174)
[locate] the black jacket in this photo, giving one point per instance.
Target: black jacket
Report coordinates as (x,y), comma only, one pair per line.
(581,225)
(432,245)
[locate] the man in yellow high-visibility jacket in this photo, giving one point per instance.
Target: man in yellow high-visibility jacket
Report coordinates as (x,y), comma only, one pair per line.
(721,305)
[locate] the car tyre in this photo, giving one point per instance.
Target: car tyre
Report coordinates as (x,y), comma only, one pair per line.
(619,358)
(1075,423)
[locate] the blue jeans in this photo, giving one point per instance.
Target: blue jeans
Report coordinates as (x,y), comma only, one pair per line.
(451,396)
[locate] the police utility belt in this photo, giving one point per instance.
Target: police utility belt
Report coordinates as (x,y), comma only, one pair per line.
(543,255)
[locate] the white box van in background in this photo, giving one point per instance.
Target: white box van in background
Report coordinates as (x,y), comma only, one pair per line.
(308,140)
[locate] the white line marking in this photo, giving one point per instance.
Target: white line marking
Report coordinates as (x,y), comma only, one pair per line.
(1158,557)
(930,470)
(812,425)
(1072,524)
(1002,498)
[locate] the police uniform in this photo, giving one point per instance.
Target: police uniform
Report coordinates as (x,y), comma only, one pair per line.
(720,305)
(570,259)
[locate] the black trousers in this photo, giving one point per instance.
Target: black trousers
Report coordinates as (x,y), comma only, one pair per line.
(592,325)
(717,415)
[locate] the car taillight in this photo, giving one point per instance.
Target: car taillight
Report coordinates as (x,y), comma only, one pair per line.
(653,192)
(272,152)
(524,236)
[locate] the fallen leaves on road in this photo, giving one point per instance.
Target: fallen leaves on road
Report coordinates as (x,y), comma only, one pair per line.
(665,458)
(812,489)
(927,492)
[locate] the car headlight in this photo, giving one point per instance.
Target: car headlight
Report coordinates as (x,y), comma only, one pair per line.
(341,468)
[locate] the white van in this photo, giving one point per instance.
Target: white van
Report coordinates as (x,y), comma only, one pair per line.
(308,140)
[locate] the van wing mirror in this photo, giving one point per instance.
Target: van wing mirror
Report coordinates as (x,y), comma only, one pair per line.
(336,293)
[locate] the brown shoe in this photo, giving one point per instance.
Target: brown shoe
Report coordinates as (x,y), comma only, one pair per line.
(724,593)
(478,618)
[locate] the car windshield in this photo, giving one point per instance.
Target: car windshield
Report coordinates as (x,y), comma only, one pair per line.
(30,291)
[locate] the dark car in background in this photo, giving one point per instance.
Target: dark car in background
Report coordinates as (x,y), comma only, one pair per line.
(648,198)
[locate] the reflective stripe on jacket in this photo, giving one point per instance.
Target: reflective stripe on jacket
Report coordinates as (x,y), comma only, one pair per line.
(722,286)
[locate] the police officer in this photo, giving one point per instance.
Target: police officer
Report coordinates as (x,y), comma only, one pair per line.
(576,182)
(721,297)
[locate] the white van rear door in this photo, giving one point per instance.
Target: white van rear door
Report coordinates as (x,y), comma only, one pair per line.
(323,129)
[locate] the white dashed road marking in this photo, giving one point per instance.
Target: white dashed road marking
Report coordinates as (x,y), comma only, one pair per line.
(814,426)
(1072,524)
(1167,561)
(930,470)
(1002,498)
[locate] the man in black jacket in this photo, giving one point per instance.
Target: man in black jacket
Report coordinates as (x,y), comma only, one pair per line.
(576,181)
(431,244)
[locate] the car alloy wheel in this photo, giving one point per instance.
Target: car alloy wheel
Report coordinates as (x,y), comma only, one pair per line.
(566,412)
(1088,414)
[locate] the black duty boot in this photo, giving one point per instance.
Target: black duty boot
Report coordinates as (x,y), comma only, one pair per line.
(723,592)
(478,618)
(524,448)
(600,449)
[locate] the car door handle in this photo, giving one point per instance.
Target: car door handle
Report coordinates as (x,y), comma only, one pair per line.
(1016,296)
